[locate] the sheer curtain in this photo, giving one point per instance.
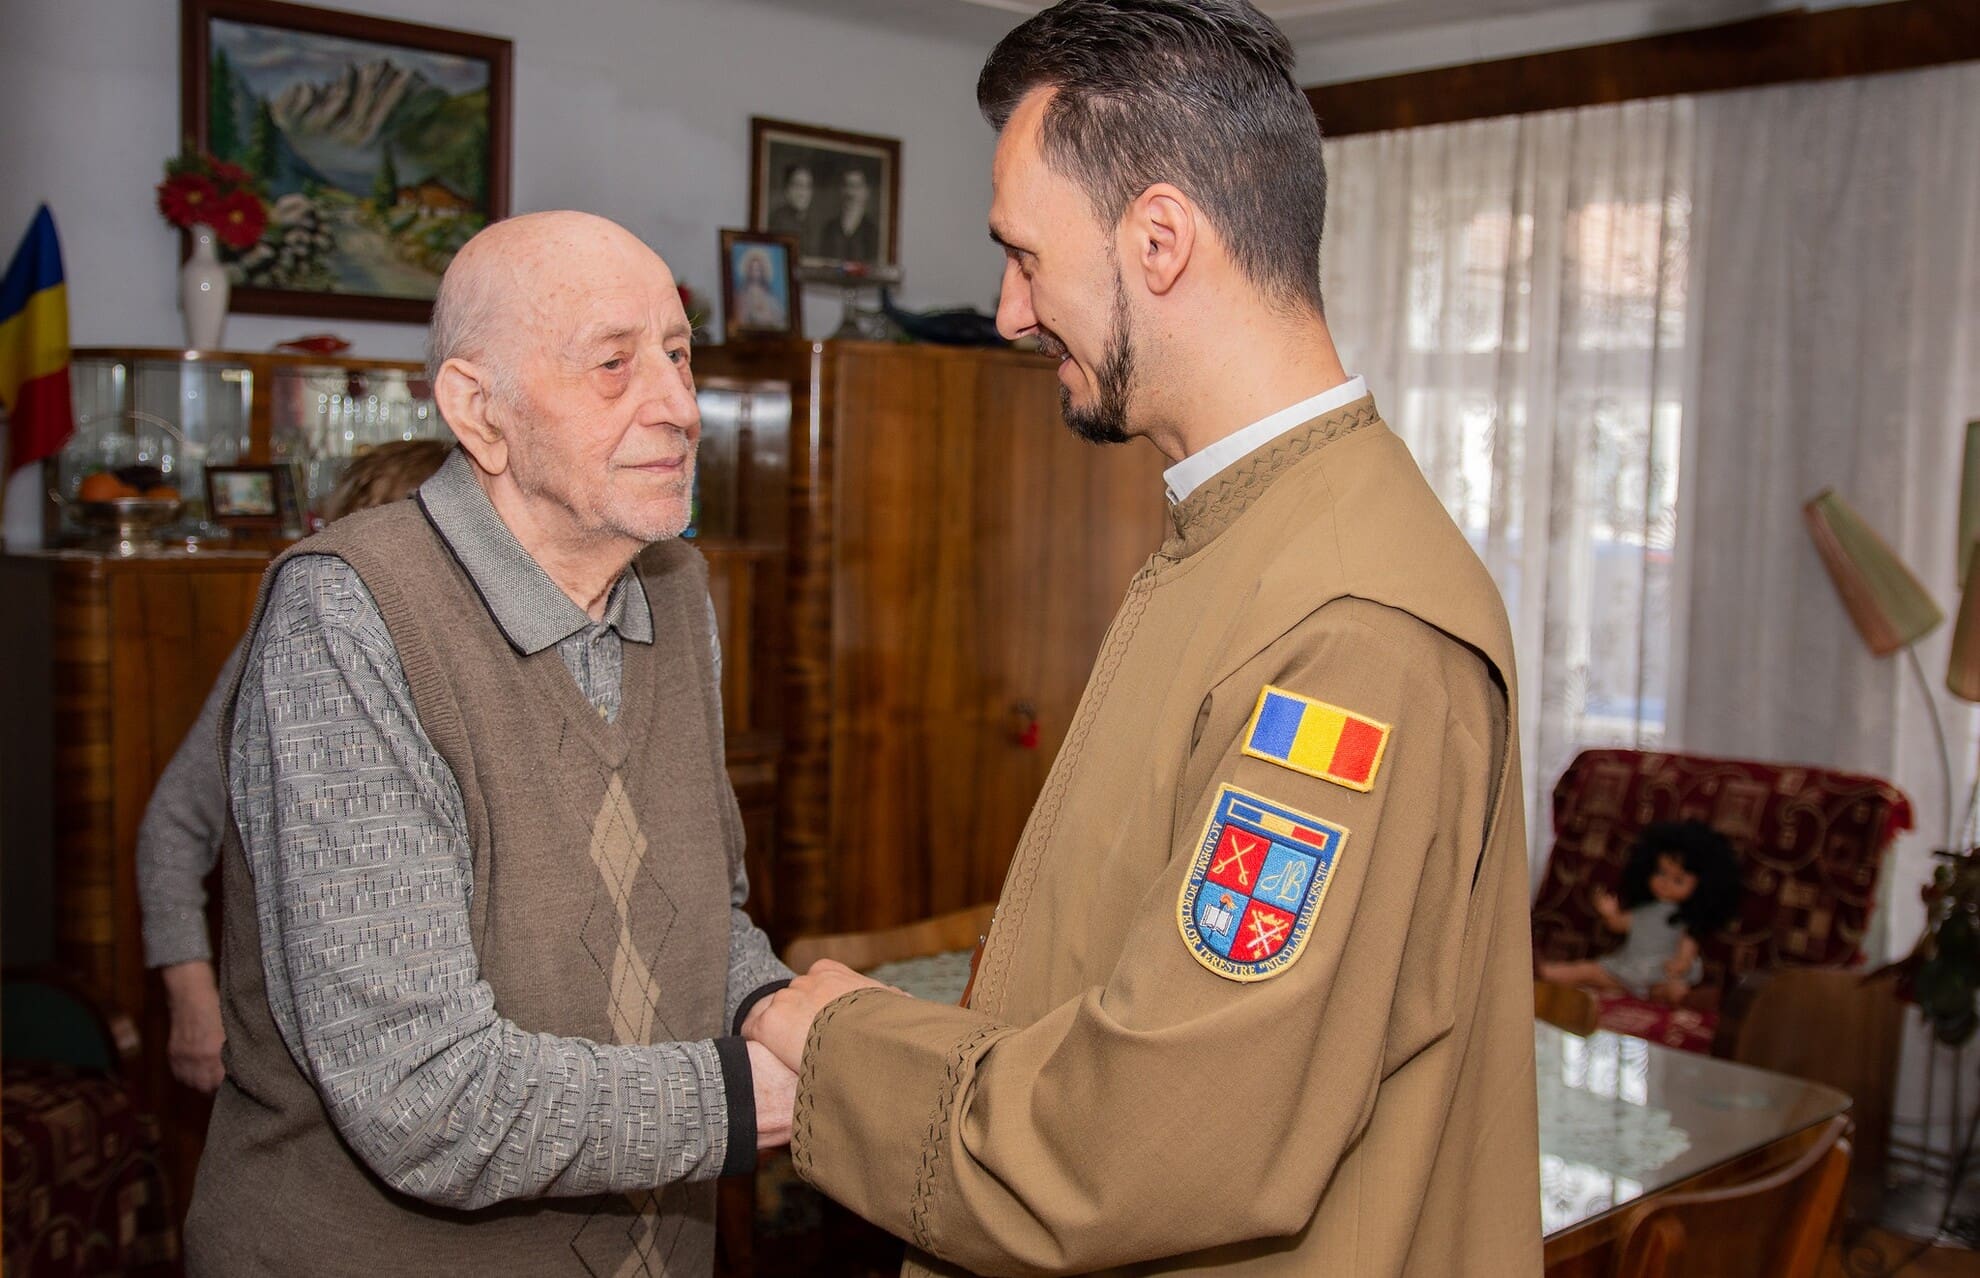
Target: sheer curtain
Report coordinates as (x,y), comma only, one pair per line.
(1836,325)
(1515,292)
(1781,288)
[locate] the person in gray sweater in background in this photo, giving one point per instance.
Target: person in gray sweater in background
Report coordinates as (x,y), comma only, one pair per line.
(179,840)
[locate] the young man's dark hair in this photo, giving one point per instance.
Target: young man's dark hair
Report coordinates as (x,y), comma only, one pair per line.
(1198,93)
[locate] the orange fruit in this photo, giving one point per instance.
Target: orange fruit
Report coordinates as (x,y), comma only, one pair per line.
(104,486)
(161,492)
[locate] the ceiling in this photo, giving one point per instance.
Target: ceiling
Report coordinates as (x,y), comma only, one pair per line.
(1307,20)
(1316,22)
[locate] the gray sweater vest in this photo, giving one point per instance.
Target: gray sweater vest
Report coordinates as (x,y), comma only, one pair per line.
(600,910)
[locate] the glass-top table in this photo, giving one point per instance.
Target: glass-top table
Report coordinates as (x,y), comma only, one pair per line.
(1623,1118)
(1620,1118)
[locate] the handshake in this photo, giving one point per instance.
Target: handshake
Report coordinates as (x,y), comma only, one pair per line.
(775,1031)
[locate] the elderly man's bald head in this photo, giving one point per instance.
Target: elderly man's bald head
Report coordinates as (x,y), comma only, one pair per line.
(518,277)
(562,360)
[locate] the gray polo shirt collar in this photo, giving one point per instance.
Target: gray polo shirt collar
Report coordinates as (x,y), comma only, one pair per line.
(532,612)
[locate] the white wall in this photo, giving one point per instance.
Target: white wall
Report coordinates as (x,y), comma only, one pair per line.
(635,109)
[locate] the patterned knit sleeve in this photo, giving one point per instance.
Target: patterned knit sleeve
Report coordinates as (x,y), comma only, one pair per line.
(178,841)
(357,838)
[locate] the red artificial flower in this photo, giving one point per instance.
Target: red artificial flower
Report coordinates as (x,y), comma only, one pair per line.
(187,199)
(229,175)
(240,220)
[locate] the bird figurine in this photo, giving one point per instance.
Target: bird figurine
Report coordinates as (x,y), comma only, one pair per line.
(961,326)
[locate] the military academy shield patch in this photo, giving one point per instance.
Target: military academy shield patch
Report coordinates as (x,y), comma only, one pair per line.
(1260,873)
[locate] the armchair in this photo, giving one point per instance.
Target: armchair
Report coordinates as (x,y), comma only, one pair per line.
(85,1191)
(1810,843)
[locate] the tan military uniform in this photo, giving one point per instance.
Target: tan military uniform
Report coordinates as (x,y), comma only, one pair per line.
(1111,1102)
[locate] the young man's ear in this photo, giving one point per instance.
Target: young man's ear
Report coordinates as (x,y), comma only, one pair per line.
(1160,231)
(467,400)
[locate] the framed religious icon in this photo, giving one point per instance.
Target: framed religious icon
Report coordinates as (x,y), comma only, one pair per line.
(377,148)
(837,194)
(759,285)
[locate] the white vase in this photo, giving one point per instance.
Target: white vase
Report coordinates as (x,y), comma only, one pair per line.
(203,293)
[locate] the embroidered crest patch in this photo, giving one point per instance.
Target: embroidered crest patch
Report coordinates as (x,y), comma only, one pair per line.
(1318,739)
(1260,873)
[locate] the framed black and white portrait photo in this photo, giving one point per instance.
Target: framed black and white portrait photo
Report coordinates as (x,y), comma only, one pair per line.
(837,194)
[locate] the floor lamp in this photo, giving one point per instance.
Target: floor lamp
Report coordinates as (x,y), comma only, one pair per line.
(1889,607)
(1892,610)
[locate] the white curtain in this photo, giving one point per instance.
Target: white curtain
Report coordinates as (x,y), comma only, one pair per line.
(1515,292)
(1781,288)
(1836,326)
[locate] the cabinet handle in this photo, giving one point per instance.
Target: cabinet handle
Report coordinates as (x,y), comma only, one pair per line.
(1024,725)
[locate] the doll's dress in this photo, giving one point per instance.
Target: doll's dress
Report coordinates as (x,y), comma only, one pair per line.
(1653,939)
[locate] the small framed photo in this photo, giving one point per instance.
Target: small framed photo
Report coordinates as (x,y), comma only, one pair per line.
(837,194)
(249,497)
(759,284)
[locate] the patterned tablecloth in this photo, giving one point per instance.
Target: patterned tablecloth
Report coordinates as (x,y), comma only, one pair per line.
(939,978)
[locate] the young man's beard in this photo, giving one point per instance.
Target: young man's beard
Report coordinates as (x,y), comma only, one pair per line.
(1105,421)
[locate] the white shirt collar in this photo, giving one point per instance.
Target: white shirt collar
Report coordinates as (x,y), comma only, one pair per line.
(1187,475)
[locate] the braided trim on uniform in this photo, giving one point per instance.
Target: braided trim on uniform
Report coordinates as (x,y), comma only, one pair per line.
(807,1073)
(1045,814)
(1209,511)
(938,1134)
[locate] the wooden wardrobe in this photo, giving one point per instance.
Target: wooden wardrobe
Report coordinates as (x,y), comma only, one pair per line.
(955,555)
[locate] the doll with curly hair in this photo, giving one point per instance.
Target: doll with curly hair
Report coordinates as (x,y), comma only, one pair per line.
(1681,884)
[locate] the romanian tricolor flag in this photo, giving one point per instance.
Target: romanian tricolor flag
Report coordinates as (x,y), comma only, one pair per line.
(34,347)
(1318,739)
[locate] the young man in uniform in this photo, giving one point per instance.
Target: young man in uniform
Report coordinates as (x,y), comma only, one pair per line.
(1256,999)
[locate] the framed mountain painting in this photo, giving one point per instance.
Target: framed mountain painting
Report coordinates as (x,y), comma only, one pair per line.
(377,146)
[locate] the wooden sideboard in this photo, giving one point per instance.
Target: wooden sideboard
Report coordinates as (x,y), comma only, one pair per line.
(133,647)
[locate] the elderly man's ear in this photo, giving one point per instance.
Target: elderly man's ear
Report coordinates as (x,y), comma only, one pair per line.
(465,394)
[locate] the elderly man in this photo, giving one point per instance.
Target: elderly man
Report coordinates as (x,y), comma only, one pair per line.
(1256,997)
(483,887)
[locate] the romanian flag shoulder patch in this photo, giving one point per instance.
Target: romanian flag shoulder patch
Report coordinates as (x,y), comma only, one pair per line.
(1316,738)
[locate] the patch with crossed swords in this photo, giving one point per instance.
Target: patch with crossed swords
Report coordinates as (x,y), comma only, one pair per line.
(1260,873)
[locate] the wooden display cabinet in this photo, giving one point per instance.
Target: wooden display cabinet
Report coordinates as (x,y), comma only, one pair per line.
(183,409)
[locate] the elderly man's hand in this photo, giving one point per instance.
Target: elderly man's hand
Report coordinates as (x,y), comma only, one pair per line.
(783,1021)
(776,1095)
(193,1046)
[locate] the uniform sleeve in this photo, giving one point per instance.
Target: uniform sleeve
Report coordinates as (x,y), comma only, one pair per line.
(1171,1109)
(354,832)
(178,841)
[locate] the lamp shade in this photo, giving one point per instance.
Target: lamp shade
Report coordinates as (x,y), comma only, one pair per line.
(1963,668)
(1888,605)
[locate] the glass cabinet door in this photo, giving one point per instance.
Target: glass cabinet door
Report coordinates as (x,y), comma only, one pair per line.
(742,467)
(177,415)
(324,416)
(177,412)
